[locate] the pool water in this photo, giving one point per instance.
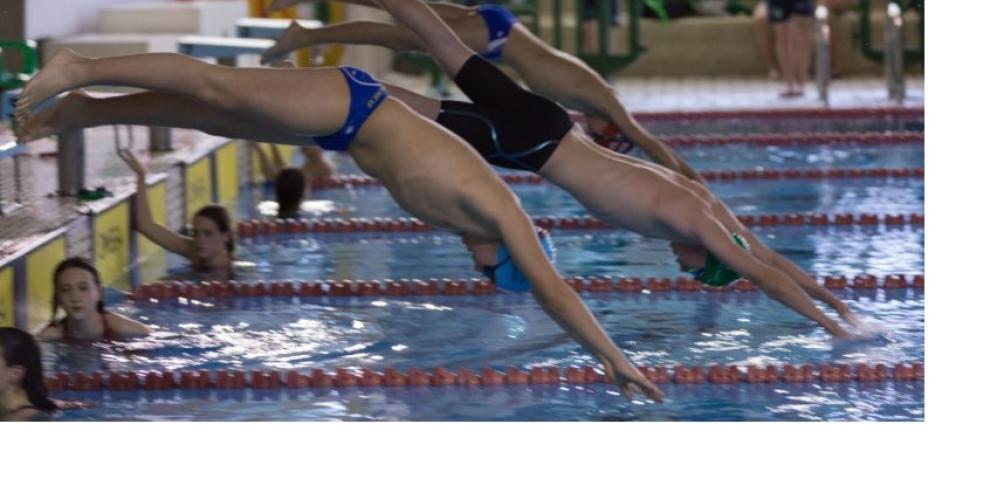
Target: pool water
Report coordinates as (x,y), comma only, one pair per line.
(847,250)
(737,125)
(503,330)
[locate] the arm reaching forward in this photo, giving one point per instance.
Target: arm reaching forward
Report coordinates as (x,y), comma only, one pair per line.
(717,239)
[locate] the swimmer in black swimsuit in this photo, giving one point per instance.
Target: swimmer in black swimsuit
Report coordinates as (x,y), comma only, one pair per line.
(443,182)
(493,32)
(618,189)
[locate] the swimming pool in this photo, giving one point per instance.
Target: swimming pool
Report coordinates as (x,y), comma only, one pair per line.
(679,328)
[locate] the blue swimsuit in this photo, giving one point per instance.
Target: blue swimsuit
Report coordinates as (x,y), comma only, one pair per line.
(366,94)
(499,21)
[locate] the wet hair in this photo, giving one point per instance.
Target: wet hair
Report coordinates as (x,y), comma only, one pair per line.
(218,214)
(79,263)
(20,349)
(290,187)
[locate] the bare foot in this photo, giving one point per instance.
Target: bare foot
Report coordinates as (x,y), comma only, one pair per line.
(280,5)
(63,115)
(289,42)
(60,74)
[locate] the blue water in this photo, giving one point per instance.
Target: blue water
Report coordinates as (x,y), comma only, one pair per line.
(821,251)
(751,196)
(501,331)
(888,401)
(743,197)
(732,126)
(511,330)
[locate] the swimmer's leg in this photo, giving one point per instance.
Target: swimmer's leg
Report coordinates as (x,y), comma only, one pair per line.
(79,110)
(296,100)
(446,10)
(372,33)
(438,38)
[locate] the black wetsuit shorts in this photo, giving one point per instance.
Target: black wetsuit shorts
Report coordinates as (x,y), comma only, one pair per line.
(508,125)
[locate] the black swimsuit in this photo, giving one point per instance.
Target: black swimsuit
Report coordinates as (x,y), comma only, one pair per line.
(508,125)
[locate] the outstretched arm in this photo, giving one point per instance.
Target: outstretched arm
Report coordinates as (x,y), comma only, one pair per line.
(776,260)
(146,224)
(716,238)
(564,306)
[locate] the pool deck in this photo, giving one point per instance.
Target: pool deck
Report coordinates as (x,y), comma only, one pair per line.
(43,212)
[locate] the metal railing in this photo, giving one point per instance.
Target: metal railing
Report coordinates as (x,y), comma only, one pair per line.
(823,52)
(865,35)
(13,151)
(604,61)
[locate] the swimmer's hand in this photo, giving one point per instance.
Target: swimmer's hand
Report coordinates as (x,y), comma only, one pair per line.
(839,329)
(132,161)
(628,378)
(863,330)
(70,405)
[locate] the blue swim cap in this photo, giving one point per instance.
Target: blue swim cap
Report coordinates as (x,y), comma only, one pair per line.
(506,275)
(717,273)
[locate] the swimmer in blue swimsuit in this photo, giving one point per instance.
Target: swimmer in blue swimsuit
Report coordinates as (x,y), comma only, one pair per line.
(495,33)
(431,173)
(499,21)
(366,95)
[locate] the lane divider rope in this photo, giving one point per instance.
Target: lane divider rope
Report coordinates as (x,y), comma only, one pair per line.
(358,180)
(442,377)
(829,138)
(816,113)
(257,227)
(168,290)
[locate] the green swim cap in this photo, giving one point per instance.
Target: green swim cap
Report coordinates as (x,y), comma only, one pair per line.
(717,273)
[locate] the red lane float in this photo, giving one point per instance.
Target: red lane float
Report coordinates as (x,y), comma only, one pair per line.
(474,286)
(819,138)
(793,113)
(442,377)
(310,225)
(253,228)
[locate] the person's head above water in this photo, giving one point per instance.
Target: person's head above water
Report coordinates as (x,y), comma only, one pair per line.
(20,370)
(290,191)
(211,227)
(78,289)
(704,266)
(492,259)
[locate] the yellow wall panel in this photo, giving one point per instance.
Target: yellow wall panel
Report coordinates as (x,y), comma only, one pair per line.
(112,245)
(40,266)
(7,299)
(156,201)
(227,176)
(199,187)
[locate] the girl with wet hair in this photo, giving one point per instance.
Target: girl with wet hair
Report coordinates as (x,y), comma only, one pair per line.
(212,243)
(23,396)
(79,293)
